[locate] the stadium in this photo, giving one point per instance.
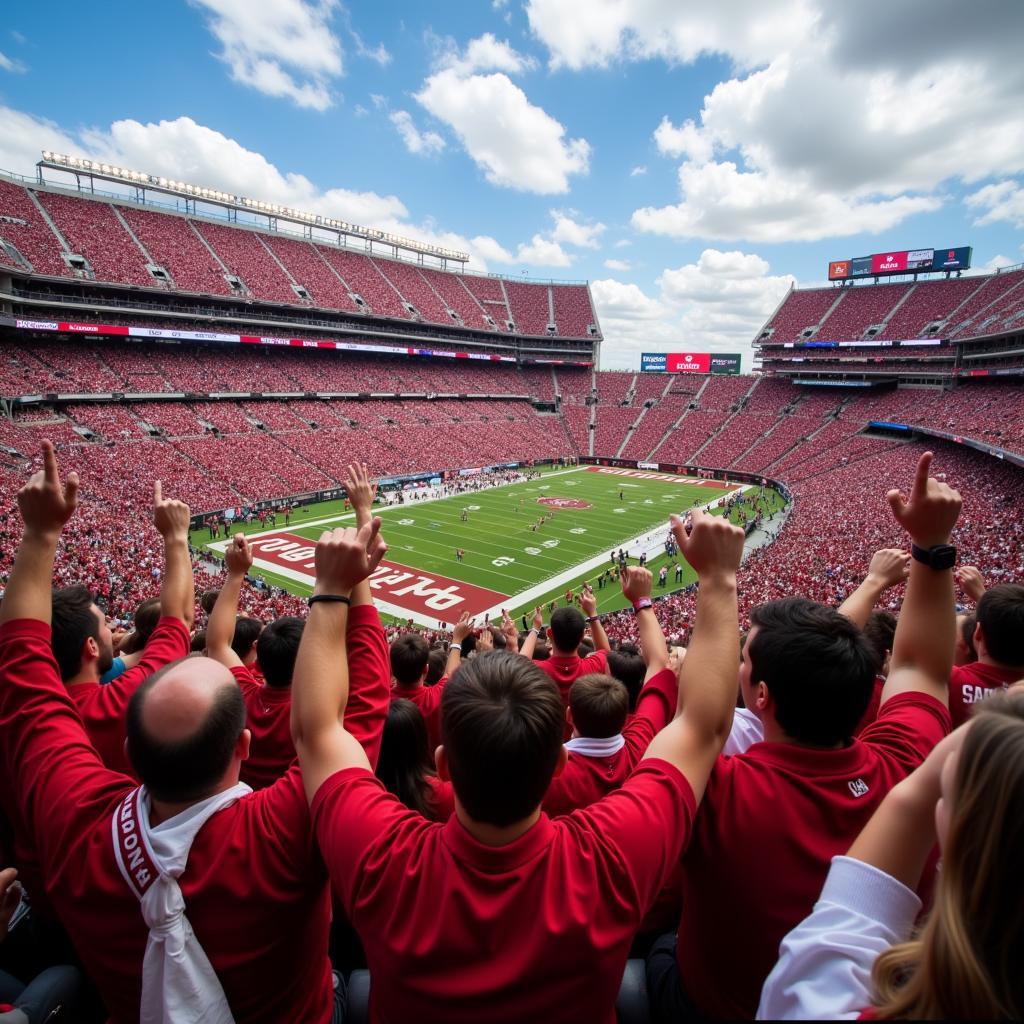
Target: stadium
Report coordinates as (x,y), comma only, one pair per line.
(388,637)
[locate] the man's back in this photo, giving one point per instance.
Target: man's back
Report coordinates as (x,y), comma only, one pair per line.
(971,683)
(770,823)
(458,931)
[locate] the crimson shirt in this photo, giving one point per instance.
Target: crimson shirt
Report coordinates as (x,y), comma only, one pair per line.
(255,886)
(428,700)
(103,708)
(771,821)
(973,682)
(584,780)
(565,669)
(268,712)
(539,929)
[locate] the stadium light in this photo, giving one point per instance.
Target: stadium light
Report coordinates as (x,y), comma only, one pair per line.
(141,178)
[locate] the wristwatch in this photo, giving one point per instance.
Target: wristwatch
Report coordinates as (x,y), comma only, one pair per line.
(942,556)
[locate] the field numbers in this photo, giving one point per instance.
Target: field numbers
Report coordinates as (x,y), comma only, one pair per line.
(578,529)
(473,508)
(532,551)
(551,543)
(406,522)
(503,560)
(618,511)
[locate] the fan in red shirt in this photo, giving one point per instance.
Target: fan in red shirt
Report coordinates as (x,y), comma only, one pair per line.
(254,888)
(566,631)
(502,914)
(998,639)
(774,817)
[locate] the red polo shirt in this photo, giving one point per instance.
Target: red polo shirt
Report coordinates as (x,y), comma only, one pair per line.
(102,708)
(586,779)
(428,700)
(255,887)
(771,821)
(565,669)
(969,684)
(540,929)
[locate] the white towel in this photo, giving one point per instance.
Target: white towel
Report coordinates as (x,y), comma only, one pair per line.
(587,746)
(179,986)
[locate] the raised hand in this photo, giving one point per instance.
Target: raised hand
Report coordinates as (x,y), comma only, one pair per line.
(170,517)
(485,641)
(360,488)
(538,618)
(509,631)
(462,628)
(889,566)
(345,557)
(714,547)
(238,555)
(636,582)
(931,511)
(45,504)
(587,600)
(972,583)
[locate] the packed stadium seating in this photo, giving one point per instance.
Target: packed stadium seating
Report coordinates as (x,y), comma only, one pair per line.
(531,306)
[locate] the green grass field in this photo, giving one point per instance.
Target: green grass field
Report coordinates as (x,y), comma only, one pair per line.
(516,566)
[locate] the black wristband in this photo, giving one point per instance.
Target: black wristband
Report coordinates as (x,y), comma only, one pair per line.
(330,598)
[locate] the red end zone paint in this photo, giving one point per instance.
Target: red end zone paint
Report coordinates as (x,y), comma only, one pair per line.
(666,478)
(563,502)
(412,589)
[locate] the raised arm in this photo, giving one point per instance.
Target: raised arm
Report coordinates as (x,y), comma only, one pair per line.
(972,583)
(922,655)
(361,491)
(588,604)
(343,559)
(462,629)
(888,567)
(220,630)
(636,588)
(530,643)
(708,677)
(178,591)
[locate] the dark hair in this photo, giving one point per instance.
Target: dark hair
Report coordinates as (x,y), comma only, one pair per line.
(405,763)
(74,622)
(146,617)
(497,638)
(599,705)
(879,631)
(436,662)
(247,632)
(208,600)
(198,644)
(185,769)
(629,668)
(409,655)
(276,649)
(817,665)
(1000,614)
(567,628)
(502,724)
(967,628)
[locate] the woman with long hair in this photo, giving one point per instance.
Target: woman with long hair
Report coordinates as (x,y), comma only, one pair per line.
(406,766)
(858,953)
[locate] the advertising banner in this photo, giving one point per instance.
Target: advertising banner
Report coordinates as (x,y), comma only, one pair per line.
(653,362)
(952,259)
(860,267)
(889,262)
(839,270)
(920,259)
(689,362)
(728,362)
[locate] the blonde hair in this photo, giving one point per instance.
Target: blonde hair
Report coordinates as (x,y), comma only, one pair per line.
(967,960)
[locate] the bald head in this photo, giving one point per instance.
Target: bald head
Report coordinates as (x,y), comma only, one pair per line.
(183,725)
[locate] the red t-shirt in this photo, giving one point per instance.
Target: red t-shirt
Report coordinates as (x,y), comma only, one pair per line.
(565,669)
(428,700)
(540,929)
(102,708)
(442,796)
(771,821)
(255,888)
(973,682)
(586,779)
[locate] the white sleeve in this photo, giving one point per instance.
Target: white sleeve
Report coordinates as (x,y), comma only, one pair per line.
(746,731)
(824,968)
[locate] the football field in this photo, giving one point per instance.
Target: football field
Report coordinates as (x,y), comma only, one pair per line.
(508,558)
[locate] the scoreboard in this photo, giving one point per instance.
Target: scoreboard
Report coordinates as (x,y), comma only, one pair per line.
(690,362)
(905,261)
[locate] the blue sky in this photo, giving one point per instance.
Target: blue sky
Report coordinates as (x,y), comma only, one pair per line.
(689,159)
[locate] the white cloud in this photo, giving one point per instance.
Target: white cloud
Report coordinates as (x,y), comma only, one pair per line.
(10,64)
(724,202)
(491,250)
(620,265)
(195,153)
(420,143)
(378,54)
(283,48)
(623,243)
(715,304)
(516,144)
(572,232)
(1001,201)
(543,252)
(638,171)
(686,140)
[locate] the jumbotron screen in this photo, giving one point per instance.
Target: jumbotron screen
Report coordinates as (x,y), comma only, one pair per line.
(690,362)
(906,261)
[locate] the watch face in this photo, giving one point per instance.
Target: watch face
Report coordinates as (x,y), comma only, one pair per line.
(943,556)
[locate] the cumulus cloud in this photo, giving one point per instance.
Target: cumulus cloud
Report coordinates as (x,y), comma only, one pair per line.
(514,142)
(620,265)
(574,232)
(637,171)
(282,48)
(10,64)
(193,152)
(1001,201)
(715,304)
(543,252)
(421,143)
